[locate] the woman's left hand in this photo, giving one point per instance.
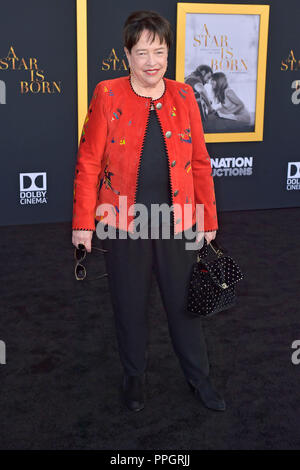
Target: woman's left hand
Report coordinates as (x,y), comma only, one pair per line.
(209,236)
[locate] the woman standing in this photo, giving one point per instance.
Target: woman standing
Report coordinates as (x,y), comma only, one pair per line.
(143,141)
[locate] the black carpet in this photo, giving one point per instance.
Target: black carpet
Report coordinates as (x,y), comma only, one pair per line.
(60,385)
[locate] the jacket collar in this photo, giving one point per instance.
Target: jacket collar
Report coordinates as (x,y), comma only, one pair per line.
(146,97)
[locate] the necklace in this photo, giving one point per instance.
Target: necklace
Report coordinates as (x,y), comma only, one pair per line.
(143,96)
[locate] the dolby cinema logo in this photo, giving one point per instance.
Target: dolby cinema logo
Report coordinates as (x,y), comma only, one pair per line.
(33,188)
(293,176)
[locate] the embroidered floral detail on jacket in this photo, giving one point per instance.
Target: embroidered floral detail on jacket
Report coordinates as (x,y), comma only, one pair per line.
(185,136)
(188,200)
(116,209)
(94,96)
(85,126)
(109,91)
(187,166)
(181,92)
(116,115)
(173,113)
(107,181)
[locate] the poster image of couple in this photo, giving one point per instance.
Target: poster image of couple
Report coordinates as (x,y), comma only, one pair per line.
(220,107)
(221,52)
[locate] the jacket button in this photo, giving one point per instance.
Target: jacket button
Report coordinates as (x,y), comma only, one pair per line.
(168,134)
(158,106)
(173,163)
(176,192)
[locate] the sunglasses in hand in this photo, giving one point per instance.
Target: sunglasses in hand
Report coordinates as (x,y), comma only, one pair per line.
(80,270)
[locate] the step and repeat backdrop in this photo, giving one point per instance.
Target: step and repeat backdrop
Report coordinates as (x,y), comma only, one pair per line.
(253,56)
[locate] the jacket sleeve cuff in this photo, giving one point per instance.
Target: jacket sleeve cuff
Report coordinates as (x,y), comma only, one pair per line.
(88,229)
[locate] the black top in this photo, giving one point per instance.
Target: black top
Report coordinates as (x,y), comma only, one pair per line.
(153,178)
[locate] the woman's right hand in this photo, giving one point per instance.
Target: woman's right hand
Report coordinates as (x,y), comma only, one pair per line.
(84,237)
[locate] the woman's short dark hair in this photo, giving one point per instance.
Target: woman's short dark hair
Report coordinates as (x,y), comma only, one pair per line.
(137,21)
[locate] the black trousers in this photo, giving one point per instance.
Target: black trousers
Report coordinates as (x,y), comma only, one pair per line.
(129,265)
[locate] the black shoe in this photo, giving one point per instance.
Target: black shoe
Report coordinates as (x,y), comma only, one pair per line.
(133,392)
(208,396)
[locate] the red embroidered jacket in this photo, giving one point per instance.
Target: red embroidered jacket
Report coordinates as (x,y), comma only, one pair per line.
(111,146)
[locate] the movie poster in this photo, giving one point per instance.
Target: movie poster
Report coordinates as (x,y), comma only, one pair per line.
(221,63)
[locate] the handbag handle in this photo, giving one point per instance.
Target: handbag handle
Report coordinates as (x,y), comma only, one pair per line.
(214,246)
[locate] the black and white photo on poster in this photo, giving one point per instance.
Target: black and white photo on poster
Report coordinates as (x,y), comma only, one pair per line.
(221,63)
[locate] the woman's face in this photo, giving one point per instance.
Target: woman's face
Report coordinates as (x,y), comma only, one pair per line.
(148,61)
(213,83)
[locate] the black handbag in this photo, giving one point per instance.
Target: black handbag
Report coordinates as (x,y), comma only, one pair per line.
(213,280)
